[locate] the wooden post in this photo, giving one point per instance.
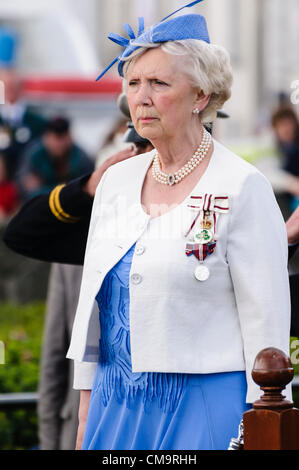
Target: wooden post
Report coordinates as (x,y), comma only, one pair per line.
(273,423)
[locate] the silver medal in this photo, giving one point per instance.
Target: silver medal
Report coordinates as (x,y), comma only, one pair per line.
(201,273)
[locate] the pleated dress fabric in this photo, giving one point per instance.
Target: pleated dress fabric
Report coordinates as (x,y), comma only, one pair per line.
(154,410)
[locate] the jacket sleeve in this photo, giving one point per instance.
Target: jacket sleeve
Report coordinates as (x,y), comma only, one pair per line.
(257,254)
(84,373)
(37,233)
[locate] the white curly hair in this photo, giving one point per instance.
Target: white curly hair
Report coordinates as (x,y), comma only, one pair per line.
(206,65)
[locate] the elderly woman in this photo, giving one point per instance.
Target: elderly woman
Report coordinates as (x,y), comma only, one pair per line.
(186,259)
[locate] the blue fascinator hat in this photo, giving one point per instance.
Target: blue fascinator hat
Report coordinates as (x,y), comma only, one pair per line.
(8,46)
(174,29)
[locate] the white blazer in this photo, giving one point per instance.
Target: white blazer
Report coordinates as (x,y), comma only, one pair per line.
(177,323)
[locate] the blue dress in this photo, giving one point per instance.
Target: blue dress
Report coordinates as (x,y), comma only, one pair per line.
(154,410)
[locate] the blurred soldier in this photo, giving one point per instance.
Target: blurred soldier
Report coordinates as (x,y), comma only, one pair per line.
(19,126)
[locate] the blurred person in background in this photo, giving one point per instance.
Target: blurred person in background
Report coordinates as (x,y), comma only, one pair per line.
(53,159)
(19,125)
(292,225)
(9,195)
(285,125)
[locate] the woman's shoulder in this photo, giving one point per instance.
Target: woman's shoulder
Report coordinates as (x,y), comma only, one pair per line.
(234,169)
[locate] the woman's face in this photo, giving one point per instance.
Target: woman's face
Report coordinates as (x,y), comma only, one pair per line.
(160,97)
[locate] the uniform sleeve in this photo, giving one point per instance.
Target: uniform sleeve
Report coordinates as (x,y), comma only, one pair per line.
(37,233)
(257,254)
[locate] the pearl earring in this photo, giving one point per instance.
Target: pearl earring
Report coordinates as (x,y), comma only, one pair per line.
(195,111)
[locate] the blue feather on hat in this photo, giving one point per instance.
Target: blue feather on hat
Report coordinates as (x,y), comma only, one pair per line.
(182,27)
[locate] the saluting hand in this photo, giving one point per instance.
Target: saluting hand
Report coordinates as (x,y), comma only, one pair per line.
(292,226)
(91,185)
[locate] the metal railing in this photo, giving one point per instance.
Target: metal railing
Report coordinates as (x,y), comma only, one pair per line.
(18,400)
(30,399)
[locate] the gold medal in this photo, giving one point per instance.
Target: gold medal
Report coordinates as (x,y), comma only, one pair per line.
(206,224)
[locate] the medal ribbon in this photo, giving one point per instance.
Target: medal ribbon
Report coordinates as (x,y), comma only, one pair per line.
(207,204)
(195,249)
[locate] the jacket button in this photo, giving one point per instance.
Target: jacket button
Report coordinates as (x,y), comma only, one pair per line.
(140,249)
(136,279)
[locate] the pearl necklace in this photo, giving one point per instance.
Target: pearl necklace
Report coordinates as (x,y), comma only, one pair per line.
(194,161)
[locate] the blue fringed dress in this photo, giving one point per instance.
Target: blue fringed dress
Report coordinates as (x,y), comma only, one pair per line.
(154,410)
